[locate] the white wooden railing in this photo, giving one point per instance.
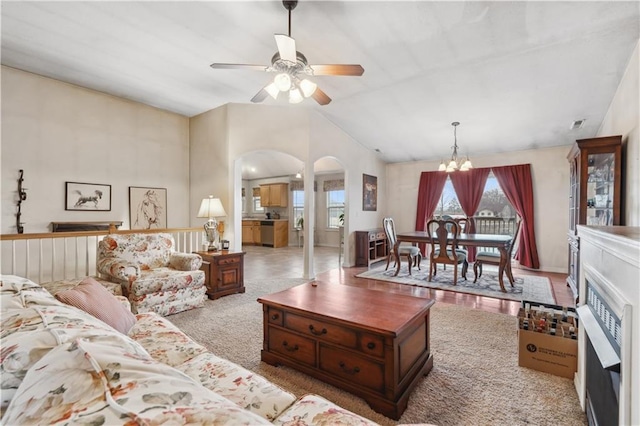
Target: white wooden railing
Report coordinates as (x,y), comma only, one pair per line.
(46,257)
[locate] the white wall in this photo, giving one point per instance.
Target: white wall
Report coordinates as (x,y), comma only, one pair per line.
(59,132)
(623,118)
(550,173)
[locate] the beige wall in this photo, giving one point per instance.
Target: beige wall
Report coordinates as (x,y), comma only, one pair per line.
(623,118)
(550,173)
(59,132)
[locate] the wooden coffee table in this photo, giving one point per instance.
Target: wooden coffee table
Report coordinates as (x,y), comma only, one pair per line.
(372,343)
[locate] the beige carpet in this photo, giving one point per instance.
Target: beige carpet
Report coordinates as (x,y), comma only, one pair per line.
(475,379)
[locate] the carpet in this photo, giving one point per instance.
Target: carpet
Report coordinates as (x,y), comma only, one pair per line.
(526,287)
(475,377)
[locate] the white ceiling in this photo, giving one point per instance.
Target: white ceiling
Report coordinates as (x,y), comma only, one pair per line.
(515,74)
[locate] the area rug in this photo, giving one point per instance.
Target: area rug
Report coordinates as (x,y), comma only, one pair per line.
(475,379)
(525,287)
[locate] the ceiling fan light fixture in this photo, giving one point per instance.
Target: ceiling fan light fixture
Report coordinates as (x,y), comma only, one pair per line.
(272,90)
(282,81)
(295,97)
(308,87)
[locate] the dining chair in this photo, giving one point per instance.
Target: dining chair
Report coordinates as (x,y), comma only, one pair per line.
(463,224)
(443,242)
(493,258)
(414,257)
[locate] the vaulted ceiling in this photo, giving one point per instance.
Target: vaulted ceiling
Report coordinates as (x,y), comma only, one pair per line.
(515,74)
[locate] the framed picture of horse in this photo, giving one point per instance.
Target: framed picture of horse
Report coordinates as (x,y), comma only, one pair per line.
(89,197)
(147,208)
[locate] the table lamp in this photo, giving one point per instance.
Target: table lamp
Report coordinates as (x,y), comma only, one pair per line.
(211,208)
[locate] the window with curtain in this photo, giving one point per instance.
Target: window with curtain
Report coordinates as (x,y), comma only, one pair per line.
(335,207)
(297,197)
(495,214)
(257,207)
(448,204)
(335,201)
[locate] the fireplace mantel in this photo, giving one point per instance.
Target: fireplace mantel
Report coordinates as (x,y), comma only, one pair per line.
(610,260)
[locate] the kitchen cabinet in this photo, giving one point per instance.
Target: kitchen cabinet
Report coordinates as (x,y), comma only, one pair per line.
(251,232)
(595,192)
(274,195)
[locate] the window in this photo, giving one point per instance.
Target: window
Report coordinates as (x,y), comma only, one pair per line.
(449,204)
(495,214)
(256,205)
(335,207)
(297,197)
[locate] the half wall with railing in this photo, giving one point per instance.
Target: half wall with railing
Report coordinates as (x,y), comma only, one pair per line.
(46,257)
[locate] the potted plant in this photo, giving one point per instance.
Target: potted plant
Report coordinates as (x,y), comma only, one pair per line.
(341,219)
(300,223)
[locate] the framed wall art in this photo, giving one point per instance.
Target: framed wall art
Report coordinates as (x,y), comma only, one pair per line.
(147,208)
(369,193)
(87,197)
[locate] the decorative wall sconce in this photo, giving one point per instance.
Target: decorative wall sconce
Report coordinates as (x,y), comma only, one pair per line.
(22,196)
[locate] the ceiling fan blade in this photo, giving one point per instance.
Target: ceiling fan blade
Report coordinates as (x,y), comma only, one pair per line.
(260,96)
(337,69)
(286,47)
(239,66)
(321,97)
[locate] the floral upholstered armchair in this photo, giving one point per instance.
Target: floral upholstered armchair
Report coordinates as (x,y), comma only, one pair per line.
(152,274)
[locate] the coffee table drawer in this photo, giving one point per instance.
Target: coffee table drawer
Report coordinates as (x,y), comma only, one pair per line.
(293,346)
(321,330)
(275,316)
(352,367)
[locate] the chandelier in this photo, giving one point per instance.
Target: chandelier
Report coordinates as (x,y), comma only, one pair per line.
(455,163)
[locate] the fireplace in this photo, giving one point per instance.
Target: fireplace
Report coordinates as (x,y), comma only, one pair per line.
(607,385)
(602,359)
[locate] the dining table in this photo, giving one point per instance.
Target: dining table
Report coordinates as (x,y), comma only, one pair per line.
(500,242)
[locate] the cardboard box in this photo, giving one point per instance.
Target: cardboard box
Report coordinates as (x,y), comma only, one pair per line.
(537,349)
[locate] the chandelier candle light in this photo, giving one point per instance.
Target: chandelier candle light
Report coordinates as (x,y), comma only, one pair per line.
(212,209)
(455,164)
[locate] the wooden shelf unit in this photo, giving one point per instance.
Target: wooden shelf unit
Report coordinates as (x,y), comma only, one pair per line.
(371,247)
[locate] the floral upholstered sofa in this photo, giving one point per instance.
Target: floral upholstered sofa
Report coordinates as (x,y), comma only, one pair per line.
(153,275)
(61,365)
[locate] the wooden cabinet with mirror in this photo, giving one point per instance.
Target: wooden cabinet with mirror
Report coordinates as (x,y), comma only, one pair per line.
(595,192)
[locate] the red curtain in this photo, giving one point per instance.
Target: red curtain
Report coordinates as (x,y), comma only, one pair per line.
(431,186)
(517,185)
(469,188)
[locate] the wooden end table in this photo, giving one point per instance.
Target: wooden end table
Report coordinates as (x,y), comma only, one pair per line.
(223,272)
(371,343)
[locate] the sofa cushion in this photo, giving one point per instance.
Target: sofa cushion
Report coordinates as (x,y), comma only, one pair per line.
(163,340)
(54,287)
(315,410)
(169,302)
(93,298)
(239,385)
(112,380)
(163,279)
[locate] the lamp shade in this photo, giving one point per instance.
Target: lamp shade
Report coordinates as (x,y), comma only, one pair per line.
(211,207)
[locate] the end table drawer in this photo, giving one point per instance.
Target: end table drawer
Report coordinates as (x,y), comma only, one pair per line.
(293,346)
(352,367)
(321,330)
(228,260)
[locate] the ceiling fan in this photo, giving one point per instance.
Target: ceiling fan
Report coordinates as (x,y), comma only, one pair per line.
(291,68)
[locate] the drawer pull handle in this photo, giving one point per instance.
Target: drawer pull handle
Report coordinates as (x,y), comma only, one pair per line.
(317,333)
(275,317)
(290,348)
(371,345)
(353,370)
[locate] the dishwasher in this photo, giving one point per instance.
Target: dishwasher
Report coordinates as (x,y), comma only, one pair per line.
(266,233)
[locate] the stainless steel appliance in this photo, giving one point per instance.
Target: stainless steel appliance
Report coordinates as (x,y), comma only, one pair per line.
(266,233)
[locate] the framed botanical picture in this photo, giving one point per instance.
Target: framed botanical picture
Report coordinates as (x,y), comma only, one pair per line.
(87,197)
(369,193)
(147,208)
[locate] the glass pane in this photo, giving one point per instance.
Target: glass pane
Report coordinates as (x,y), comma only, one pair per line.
(449,204)
(495,214)
(600,181)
